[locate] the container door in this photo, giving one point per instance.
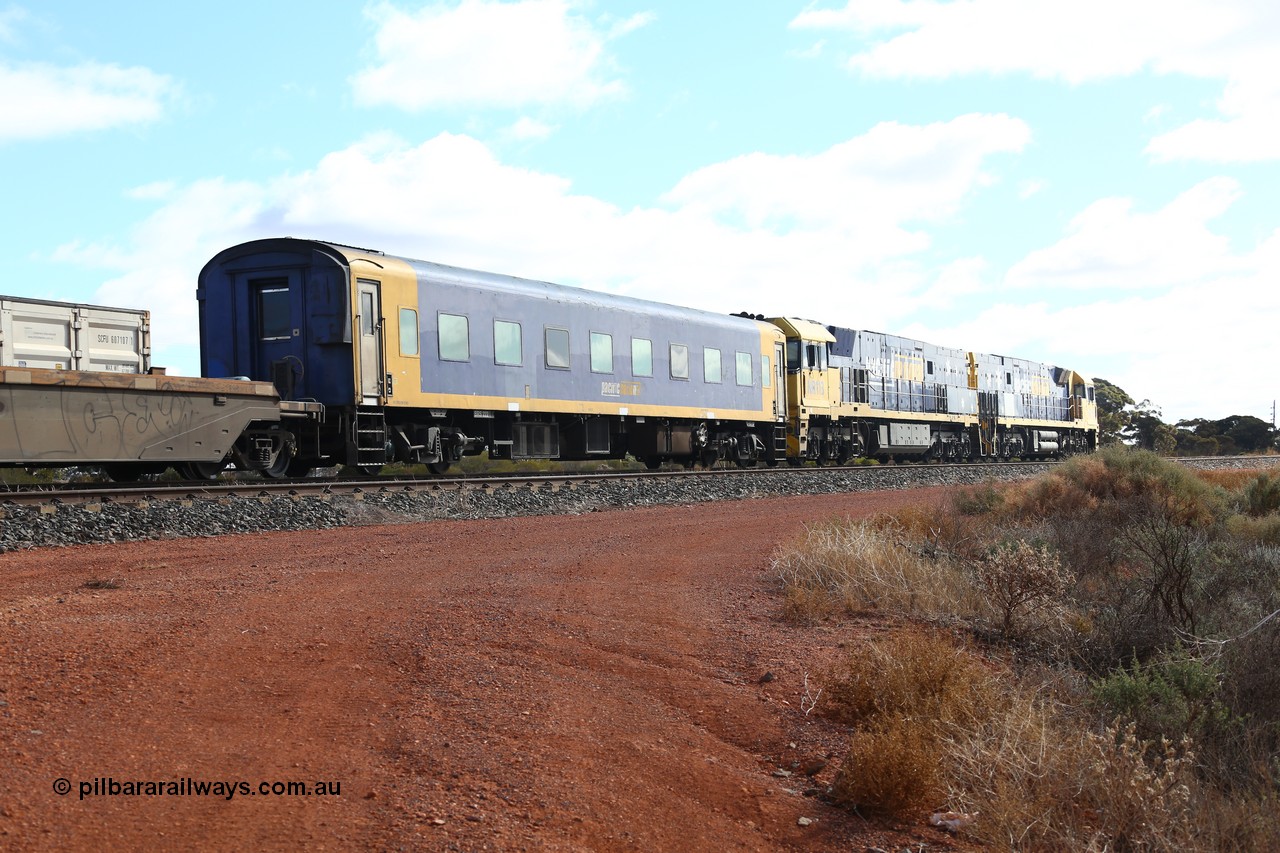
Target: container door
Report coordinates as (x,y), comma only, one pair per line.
(369,322)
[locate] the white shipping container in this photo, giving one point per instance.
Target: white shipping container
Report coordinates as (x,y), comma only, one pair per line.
(66,336)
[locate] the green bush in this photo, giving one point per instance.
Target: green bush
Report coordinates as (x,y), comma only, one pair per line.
(1173,698)
(1262,495)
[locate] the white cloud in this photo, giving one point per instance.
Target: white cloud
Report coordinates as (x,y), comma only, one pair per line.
(1234,41)
(1250,133)
(1110,246)
(482,53)
(526,129)
(152,191)
(38,100)
(869,186)
(1027,189)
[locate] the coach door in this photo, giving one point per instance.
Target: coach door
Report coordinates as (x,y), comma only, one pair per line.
(276,330)
(369,322)
(779,381)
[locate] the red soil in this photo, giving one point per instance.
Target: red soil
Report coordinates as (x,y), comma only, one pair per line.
(565,683)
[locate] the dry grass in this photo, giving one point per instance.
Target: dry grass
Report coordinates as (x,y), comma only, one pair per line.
(1040,780)
(934,727)
(850,567)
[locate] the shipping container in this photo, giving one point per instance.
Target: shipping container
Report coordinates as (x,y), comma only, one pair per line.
(67,336)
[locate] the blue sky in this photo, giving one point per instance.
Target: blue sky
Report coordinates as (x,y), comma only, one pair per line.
(1090,184)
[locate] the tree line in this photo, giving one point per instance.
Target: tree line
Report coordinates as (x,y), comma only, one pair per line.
(1121,420)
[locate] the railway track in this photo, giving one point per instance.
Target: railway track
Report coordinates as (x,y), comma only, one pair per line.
(91,493)
(95,493)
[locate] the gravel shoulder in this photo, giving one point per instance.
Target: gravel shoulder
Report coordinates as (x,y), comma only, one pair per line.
(592,681)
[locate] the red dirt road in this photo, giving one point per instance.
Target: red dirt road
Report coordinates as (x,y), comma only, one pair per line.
(564,683)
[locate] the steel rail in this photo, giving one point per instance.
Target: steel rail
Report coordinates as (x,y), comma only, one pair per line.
(81,493)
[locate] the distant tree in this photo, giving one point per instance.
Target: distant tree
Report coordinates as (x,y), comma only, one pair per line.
(1113,414)
(1147,431)
(1226,436)
(1251,435)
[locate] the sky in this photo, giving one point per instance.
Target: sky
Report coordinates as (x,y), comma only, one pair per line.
(1091,184)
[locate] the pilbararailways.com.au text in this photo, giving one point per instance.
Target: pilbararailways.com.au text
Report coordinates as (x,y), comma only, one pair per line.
(107,786)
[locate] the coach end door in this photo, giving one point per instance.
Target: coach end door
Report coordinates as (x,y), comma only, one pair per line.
(369,324)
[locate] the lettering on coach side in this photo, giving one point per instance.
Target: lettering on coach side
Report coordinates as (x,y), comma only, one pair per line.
(620,389)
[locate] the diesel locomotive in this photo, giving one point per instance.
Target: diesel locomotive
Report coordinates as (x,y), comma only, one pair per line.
(327,354)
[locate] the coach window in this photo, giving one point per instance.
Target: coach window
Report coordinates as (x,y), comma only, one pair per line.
(507,347)
(273,314)
(711,365)
(744,368)
(408,331)
(558,348)
(455,337)
(766,371)
(601,353)
(641,357)
(679,361)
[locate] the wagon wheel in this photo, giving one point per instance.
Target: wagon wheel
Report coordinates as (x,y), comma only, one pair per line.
(299,467)
(281,465)
(438,468)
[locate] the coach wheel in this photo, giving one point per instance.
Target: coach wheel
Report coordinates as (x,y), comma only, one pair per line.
(438,468)
(653,463)
(202,470)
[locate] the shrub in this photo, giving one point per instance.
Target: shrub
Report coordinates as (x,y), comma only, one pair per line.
(985,499)
(1251,530)
(891,767)
(1172,698)
(898,694)
(910,673)
(1262,495)
(1021,581)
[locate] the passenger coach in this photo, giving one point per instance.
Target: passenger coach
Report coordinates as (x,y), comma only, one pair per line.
(420,362)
